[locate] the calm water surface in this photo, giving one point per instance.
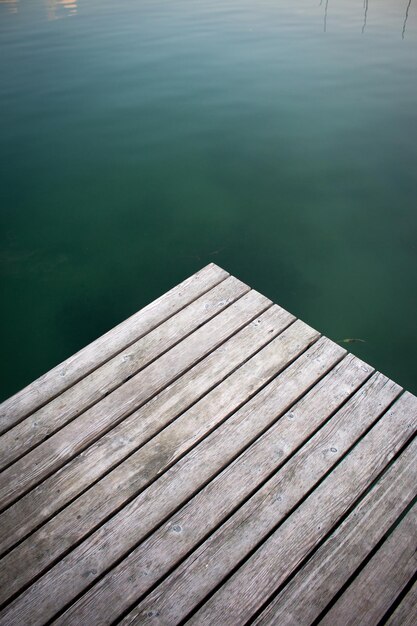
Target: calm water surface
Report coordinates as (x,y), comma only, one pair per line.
(141,139)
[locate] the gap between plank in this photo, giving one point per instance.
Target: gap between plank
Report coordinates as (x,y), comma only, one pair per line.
(332,530)
(88,406)
(240,503)
(148,439)
(112,355)
(366,560)
(285,517)
(183,503)
(156,477)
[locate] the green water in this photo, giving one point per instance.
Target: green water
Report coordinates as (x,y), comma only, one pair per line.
(142,139)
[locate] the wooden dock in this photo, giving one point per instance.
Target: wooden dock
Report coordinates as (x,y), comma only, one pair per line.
(211,460)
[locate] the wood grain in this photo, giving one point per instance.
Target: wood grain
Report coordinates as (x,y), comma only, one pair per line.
(382,579)
(207,567)
(406,612)
(30,557)
(90,425)
(65,484)
(248,589)
(318,581)
(102,349)
(160,553)
(109,376)
(41,548)
(110,542)
(212,460)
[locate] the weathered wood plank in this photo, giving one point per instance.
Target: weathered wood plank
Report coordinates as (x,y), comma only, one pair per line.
(90,425)
(213,454)
(147,463)
(109,376)
(406,612)
(250,587)
(382,579)
(64,485)
(112,540)
(201,515)
(318,581)
(105,347)
(207,566)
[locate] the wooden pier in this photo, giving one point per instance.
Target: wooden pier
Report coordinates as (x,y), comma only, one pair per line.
(211,460)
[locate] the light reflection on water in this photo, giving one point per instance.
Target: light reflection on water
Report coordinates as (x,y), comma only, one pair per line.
(10,6)
(54,9)
(142,139)
(61,8)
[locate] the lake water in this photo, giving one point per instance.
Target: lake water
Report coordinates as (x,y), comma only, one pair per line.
(141,139)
